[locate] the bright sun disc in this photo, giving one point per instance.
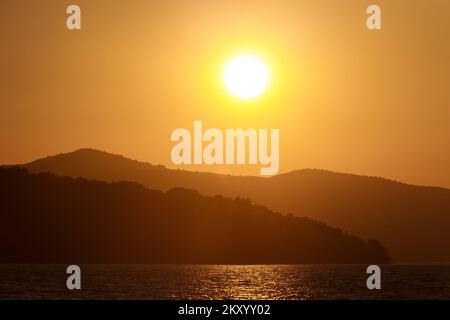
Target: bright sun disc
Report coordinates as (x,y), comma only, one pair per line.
(246,77)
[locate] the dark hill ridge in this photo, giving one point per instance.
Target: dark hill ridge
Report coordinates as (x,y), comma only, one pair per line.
(50,219)
(412,221)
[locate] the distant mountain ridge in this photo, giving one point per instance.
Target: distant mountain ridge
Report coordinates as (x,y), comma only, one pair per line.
(413,222)
(50,219)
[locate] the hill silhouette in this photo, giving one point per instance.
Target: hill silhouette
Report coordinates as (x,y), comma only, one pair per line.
(50,219)
(411,221)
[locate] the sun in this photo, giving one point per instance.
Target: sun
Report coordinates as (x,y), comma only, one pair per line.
(246,77)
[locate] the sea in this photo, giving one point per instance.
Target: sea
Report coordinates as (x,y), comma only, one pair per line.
(234,282)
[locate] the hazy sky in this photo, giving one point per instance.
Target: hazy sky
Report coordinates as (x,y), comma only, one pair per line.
(344,98)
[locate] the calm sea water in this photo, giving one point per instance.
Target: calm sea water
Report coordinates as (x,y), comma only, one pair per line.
(225,282)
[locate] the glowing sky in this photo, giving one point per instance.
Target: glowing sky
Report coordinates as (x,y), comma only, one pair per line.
(344,98)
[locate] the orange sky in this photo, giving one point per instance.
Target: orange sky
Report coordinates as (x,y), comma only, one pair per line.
(345,98)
